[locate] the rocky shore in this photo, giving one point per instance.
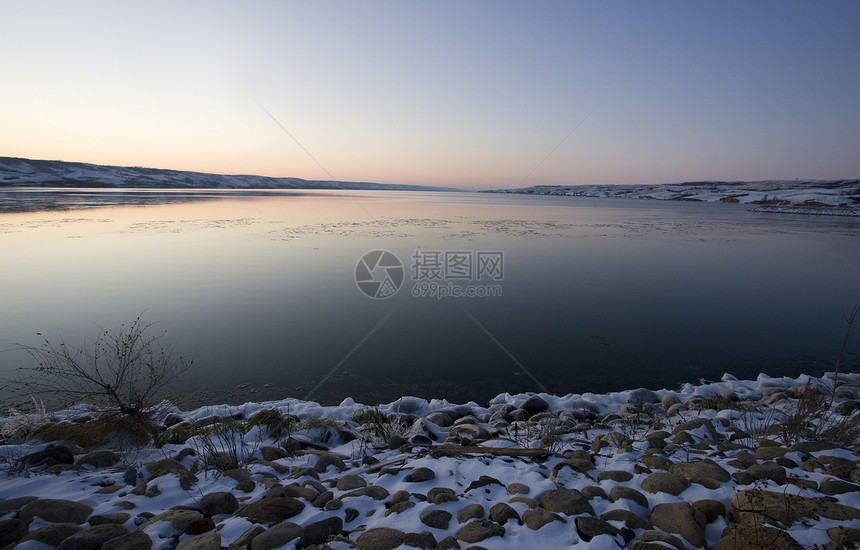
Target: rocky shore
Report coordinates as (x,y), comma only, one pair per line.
(766,463)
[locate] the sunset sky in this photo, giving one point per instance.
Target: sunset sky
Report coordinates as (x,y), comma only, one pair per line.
(469,94)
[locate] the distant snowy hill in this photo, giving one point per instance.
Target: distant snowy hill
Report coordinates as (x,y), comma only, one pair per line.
(817,196)
(53,173)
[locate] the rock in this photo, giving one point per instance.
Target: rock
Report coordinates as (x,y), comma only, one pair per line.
(399,507)
(501,513)
(768,470)
(424,539)
(711,509)
(656,462)
(593,491)
(538,517)
(472,511)
(158,468)
(665,482)
(326,460)
(680,518)
(380,538)
(199,526)
(630,519)
(92,539)
(349,482)
(398,497)
(53,534)
(757,507)
(566,501)
(447,543)
(137,540)
(812,446)
(803,483)
(221,502)
(614,475)
(629,493)
(294,490)
(705,472)
(534,405)
(271,510)
(837,487)
(49,456)
(518,489)
(483,481)
(842,537)
(333,504)
(55,511)
(478,530)
(749,537)
(641,396)
(323,498)
(470,433)
(572,468)
(646,539)
(277,536)
(178,519)
(99,459)
(420,474)
(743,478)
(172,419)
(273,453)
(697,424)
(770,453)
(440,419)
(129,477)
(588,528)
(15,504)
(838,467)
(244,540)
(116,518)
(438,495)
(437,519)
(12,530)
(373,491)
(209,541)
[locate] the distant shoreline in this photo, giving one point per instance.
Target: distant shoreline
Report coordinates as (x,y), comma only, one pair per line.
(831,197)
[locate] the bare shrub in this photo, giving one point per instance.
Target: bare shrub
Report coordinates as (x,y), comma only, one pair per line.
(124,370)
(222,447)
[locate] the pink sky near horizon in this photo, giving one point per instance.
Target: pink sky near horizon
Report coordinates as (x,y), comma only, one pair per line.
(478,95)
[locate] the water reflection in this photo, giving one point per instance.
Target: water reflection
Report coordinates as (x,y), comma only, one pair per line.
(599,295)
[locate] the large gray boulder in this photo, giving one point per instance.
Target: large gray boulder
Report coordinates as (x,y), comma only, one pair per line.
(220,502)
(178,520)
(566,501)
(271,510)
(55,511)
(665,482)
(749,537)
(92,539)
(478,530)
(380,538)
(276,536)
(757,507)
(705,472)
(680,518)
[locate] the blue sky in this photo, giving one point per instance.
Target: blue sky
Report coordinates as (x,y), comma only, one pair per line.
(470,94)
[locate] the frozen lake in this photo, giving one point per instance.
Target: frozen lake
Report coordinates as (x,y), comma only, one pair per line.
(566,294)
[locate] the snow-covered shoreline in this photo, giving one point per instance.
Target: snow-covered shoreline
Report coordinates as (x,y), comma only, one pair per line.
(837,197)
(635,469)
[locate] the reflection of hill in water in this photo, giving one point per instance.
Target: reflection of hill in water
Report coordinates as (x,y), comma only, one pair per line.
(35,200)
